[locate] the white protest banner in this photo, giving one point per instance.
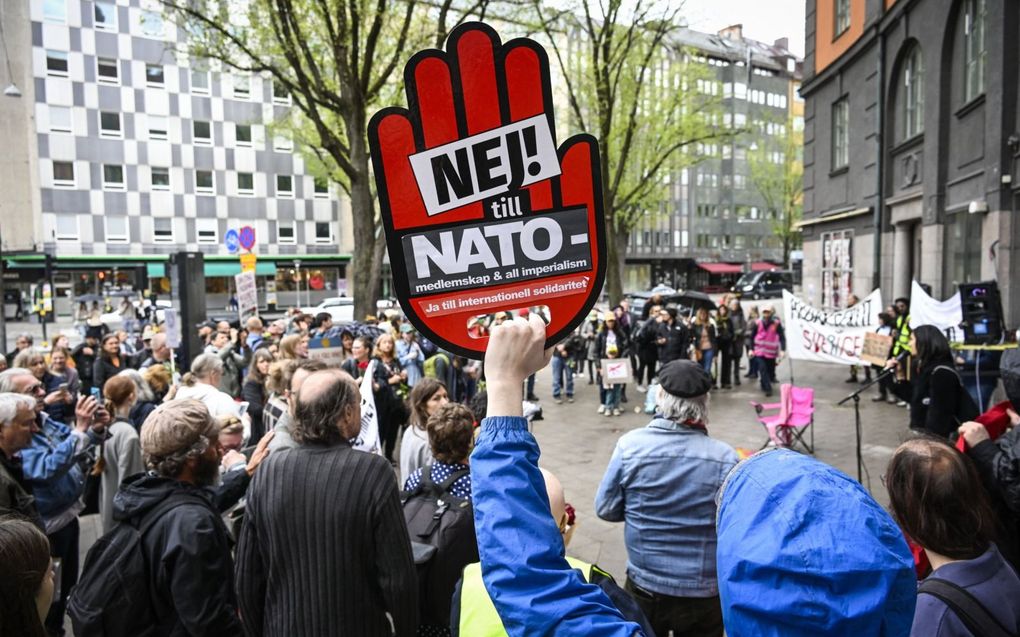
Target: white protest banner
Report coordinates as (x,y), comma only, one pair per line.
(945,315)
(829,337)
(368,437)
(330,351)
(247,295)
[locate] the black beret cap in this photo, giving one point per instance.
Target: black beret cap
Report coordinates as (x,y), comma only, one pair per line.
(684,379)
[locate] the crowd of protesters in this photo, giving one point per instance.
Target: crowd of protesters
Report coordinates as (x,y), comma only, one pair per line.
(233,496)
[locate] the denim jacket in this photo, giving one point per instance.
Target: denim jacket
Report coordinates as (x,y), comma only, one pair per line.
(662,481)
(51,465)
(533,587)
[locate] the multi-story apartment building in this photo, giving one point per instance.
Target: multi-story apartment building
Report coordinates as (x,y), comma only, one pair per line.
(133,152)
(911,147)
(714,223)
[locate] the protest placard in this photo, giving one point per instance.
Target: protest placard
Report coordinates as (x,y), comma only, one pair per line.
(483,212)
(616,371)
(829,336)
(247,295)
(876,348)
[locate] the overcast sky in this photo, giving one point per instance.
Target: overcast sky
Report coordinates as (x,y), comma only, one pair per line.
(764,20)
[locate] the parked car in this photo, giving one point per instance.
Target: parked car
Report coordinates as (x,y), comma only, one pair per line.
(341,308)
(763,285)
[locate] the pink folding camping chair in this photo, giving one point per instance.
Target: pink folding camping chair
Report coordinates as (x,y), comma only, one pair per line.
(795,415)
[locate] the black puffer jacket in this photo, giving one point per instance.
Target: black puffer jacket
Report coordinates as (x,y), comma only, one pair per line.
(192,573)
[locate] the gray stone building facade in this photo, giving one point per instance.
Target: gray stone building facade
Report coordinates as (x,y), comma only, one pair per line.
(910,148)
(714,224)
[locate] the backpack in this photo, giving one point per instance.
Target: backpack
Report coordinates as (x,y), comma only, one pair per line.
(429,369)
(971,612)
(112,595)
(442,530)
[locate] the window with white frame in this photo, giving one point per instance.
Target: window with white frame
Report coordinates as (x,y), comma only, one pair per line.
(60,119)
(117,230)
(282,144)
(160,178)
(281,95)
(285,233)
(202,133)
(67,228)
(974,51)
(913,93)
(285,186)
(107,71)
(199,81)
(162,230)
(242,87)
(207,230)
(113,177)
(321,188)
(63,174)
(55,11)
(840,133)
(245,184)
(109,125)
(56,63)
(158,126)
(242,134)
(204,182)
(152,24)
(154,75)
(323,232)
(104,16)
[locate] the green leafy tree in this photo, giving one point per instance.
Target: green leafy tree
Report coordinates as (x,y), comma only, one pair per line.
(647,99)
(339,60)
(776,170)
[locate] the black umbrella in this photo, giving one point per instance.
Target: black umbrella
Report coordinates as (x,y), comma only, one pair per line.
(697,300)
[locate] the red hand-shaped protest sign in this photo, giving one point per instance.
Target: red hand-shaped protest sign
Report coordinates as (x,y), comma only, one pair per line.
(483,213)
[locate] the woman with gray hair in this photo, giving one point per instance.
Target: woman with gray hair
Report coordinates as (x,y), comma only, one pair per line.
(145,398)
(202,384)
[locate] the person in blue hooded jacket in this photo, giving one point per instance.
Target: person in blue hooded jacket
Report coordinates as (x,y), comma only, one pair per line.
(804,550)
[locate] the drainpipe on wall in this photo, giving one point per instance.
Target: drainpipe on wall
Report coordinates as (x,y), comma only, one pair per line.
(876,281)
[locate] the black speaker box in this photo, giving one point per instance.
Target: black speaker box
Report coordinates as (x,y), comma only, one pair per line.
(982,312)
(187,279)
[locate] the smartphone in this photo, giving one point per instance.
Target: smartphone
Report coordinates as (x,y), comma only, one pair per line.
(62,387)
(96,394)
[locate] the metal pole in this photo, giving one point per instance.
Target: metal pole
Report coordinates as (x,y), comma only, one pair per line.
(3,301)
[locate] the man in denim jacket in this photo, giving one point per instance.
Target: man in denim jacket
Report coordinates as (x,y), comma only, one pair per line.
(662,481)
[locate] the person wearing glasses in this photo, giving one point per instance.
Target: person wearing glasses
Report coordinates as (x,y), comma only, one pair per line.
(55,465)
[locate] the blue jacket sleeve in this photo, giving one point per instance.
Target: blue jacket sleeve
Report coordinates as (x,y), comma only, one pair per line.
(531,584)
(41,463)
(609,498)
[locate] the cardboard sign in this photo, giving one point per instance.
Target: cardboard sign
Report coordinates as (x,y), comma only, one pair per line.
(483,212)
(247,294)
(616,371)
(876,349)
(173,328)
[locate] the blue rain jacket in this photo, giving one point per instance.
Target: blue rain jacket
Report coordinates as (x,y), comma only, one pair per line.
(533,587)
(805,550)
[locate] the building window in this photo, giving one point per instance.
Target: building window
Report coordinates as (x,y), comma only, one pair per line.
(162,230)
(113,177)
(281,95)
(56,63)
(55,11)
(204,184)
(842,14)
(199,81)
(321,188)
(284,186)
(67,228)
(837,268)
(154,74)
(202,133)
(242,134)
(152,24)
(973,49)
(60,119)
(104,16)
(285,233)
(157,127)
(962,255)
(323,232)
(160,178)
(840,134)
(208,230)
(109,125)
(117,229)
(242,87)
(107,71)
(913,94)
(63,174)
(245,184)
(282,144)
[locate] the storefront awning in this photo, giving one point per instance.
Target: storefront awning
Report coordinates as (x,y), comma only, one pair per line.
(230,268)
(763,266)
(721,268)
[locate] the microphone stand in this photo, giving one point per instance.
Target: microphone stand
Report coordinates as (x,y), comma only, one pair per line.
(856,397)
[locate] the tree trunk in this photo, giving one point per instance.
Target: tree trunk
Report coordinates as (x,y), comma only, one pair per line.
(616,246)
(365,269)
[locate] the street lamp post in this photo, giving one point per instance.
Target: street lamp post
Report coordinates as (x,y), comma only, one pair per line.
(297,265)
